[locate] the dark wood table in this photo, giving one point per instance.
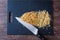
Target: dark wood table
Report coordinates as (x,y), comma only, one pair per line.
(3,25)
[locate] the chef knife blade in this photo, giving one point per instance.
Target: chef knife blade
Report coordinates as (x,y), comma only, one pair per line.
(30,27)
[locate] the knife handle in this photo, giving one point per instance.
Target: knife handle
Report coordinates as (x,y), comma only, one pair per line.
(42,37)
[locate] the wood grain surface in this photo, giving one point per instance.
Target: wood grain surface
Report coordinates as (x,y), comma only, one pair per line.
(3,25)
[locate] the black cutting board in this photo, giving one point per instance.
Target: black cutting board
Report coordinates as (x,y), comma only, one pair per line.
(15,8)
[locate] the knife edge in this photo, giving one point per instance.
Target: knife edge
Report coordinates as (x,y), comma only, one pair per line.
(30,27)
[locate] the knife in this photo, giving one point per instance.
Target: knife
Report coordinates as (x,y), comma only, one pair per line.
(30,27)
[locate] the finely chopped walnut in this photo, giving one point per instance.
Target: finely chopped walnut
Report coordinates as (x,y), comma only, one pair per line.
(37,18)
